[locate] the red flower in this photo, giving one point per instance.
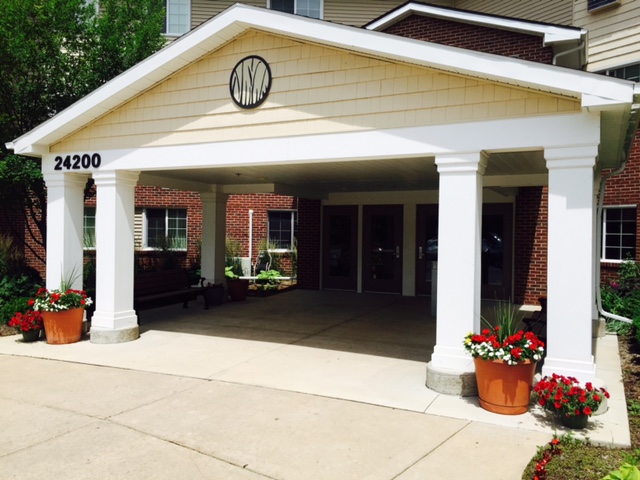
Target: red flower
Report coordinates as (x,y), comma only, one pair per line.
(587,411)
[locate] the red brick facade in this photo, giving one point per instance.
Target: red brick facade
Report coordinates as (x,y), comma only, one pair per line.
(473,37)
(624,190)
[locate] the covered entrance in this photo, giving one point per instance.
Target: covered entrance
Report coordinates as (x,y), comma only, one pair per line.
(349,117)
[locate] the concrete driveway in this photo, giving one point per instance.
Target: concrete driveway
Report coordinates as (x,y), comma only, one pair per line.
(303,385)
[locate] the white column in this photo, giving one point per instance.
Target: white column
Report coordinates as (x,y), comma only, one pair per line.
(570,262)
(458,297)
(214,221)
(65,214)
(114,320)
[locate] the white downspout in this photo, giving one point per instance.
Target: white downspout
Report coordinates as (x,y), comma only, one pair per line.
(633,123)
(251,272)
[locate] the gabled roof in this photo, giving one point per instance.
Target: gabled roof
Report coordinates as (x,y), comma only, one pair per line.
(568,43)
(551,32)
(593,91)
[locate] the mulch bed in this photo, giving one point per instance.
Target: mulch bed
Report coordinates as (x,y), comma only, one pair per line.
(630,362)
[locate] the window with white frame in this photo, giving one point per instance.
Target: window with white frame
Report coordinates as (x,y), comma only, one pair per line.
(306,8)
(89,228)
(595,5)
(618,233)
(165,228)
(628,72)
(177,17)
(282,228)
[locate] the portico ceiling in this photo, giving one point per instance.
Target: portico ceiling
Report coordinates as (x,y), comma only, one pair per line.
(321,178)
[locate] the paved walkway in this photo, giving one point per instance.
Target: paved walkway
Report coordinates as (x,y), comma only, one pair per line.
(306,385)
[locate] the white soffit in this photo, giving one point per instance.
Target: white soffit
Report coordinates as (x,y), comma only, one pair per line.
(591,89)
(550,33)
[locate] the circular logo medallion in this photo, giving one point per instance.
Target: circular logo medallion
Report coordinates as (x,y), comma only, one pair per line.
(250,82)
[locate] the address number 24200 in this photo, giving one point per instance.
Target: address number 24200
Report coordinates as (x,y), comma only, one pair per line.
(77,162)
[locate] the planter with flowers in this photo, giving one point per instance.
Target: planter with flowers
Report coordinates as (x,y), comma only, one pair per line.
(63,312)
(29,324)
(505,362)
(565,397)
(237,287)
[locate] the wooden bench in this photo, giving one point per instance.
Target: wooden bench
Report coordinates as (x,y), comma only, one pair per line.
(165,287)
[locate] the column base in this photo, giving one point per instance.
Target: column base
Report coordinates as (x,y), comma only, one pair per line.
(583,371)
(451,382)
(119,335)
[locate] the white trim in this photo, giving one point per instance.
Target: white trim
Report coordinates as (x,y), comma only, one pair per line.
(591,89)
(550,33)
(166,20)
(554,131)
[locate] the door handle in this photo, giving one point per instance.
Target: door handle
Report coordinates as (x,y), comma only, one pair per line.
(398,251)
(420,254)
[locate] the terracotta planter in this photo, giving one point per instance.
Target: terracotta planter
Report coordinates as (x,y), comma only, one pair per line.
(238,289)
(63,327)
(576,422)
(504,388)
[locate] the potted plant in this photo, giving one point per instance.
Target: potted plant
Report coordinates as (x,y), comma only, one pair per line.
(267,280)
(62,311)
(565,397)
(237,286)
(505,362)
(29,324)
(214,293)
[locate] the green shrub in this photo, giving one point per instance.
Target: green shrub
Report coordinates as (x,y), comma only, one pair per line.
(8,308)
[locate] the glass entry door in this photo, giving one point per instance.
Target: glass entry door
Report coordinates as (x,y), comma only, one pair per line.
(382,248)
(340,248)
(496,249)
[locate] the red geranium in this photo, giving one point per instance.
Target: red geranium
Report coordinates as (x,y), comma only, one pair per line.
(28,321)
(564,395)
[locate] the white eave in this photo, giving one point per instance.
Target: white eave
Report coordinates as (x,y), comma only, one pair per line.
(594,91)
(550,33)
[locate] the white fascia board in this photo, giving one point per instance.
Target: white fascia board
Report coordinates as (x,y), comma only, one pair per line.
(238,18)
(552,131)
(550,33)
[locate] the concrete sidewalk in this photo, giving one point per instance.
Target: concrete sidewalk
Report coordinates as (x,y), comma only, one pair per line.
(304,385)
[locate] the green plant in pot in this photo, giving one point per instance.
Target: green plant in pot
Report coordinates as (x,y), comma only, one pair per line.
(505,359)
(268,280)
(565,397)
(62,310)
(236,286)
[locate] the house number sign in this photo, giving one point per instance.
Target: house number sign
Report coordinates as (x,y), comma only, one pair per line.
(78,162)
(250,82)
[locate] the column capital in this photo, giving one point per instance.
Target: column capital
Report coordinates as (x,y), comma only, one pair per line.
(463,162)
(63,179)
(117,177)
(583,156)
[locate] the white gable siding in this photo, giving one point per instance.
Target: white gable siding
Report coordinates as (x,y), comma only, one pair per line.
(315,90)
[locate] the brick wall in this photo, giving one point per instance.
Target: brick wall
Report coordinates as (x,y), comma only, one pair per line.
(530,245)
(624,189)
(473,37)
(238,207)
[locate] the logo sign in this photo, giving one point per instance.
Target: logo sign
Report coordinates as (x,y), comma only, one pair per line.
(250,82)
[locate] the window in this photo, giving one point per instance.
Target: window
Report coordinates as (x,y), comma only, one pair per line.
(618,233)
(165,228)
(306,8)
(177,17)
(594,5)
(282,228)
(630,72)
(89,227)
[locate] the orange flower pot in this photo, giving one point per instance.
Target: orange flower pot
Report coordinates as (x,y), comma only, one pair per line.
(504,388)
(63,327)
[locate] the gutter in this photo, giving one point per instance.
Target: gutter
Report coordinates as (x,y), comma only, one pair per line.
(634,119)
